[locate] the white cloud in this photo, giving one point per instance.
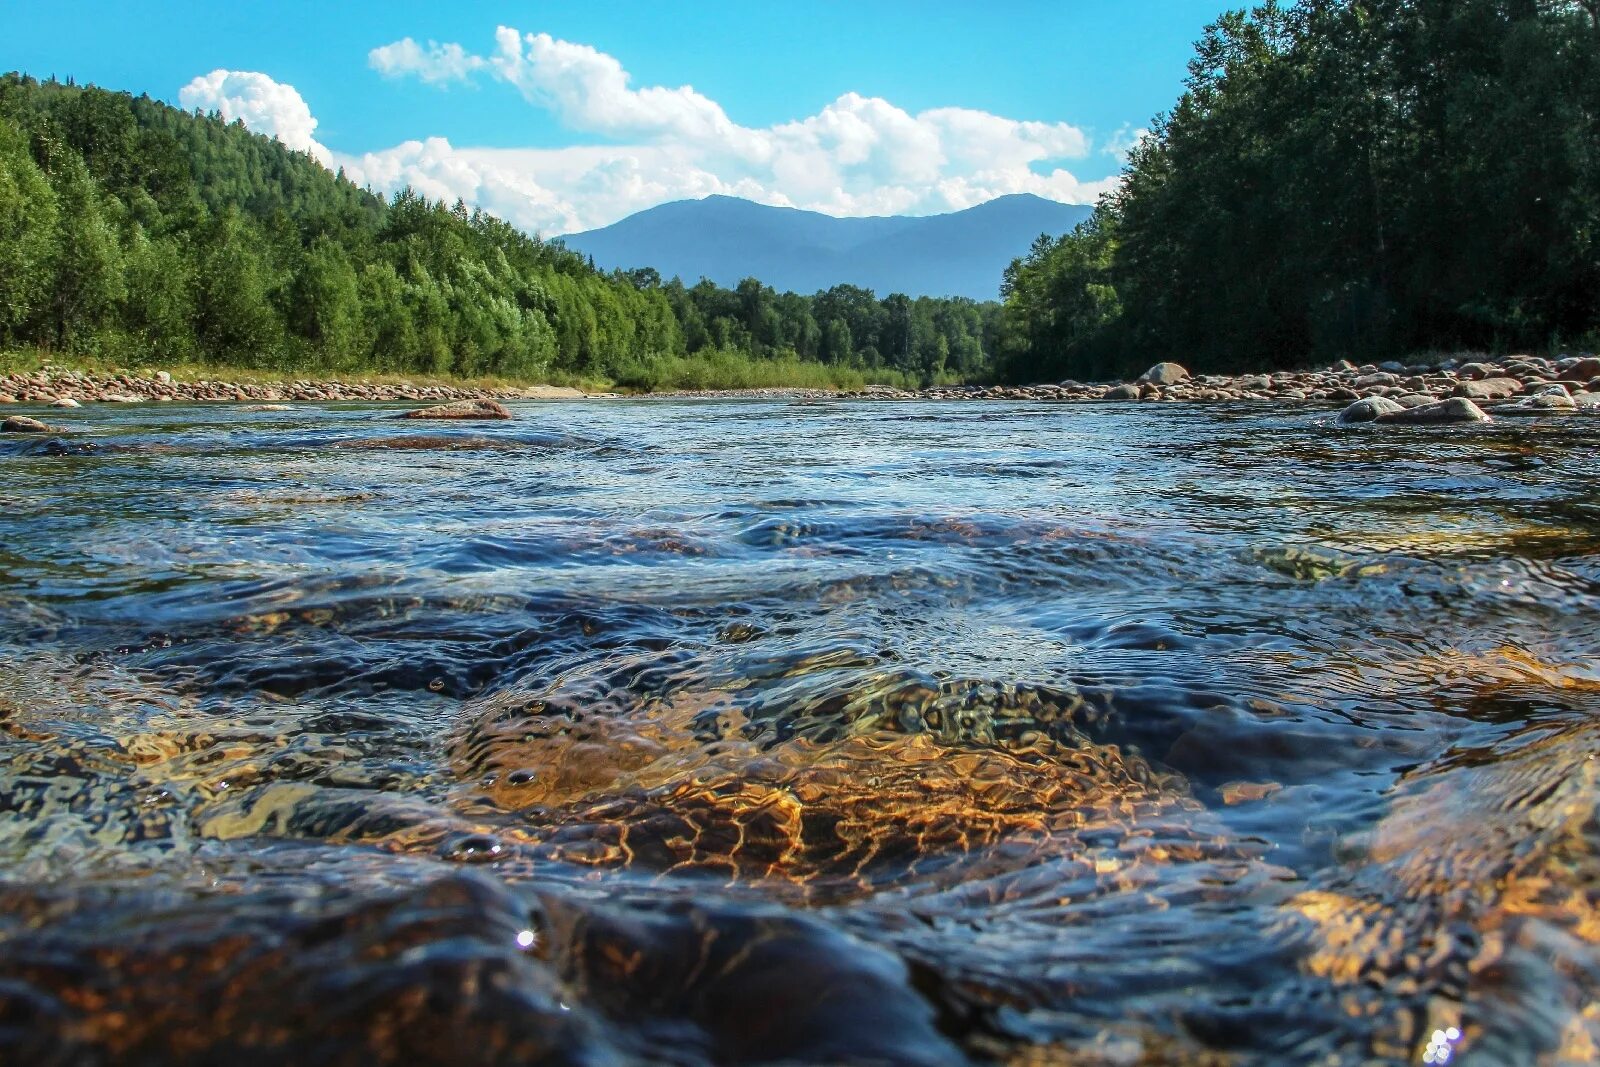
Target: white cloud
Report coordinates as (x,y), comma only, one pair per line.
(1125,140)
(858,155)
(264,105)
(439,64)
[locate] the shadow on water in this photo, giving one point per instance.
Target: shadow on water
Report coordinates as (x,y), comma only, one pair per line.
(768,733)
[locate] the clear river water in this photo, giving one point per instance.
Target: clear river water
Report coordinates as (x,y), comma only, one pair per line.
(749,732)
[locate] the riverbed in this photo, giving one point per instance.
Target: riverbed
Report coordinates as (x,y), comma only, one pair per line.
(799,732)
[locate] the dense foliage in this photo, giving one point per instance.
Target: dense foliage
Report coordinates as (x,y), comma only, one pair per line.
(130,230)
(1341,178)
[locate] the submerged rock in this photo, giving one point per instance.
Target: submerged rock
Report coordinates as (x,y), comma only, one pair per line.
(1456,409)
(462,409)
(23,424)
(1368,410)
(1165,374)
(65,402)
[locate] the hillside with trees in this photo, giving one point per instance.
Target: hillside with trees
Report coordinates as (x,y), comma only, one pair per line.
(133,231)
(1341,178)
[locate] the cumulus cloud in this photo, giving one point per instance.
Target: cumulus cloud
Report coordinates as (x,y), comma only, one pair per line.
(264,105)
(857,155)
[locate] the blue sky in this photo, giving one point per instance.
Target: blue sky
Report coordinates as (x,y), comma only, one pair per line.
(576,114)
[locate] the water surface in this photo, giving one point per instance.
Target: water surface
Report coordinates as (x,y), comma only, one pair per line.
(726,732)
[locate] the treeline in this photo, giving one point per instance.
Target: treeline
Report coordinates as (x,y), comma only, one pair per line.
(133,231)
(920,340)
(1341,178)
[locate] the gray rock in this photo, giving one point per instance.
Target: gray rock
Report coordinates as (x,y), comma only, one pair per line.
(1370,381)
(1122,392)
(1543,403)
(1456,409)
(1368,410)
(65,402)
(1164,374)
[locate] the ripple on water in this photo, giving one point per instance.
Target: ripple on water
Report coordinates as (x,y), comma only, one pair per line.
(750,732)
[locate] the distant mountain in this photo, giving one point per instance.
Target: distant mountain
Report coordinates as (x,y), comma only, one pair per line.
(726,239)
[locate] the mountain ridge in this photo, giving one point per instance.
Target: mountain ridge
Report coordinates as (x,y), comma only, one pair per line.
(727,239)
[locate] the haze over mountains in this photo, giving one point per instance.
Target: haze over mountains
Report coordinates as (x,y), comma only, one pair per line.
(727,239)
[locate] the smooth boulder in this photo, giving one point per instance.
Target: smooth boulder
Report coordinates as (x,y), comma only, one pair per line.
(1369,410)
(1489,389)
(1545,402)
(23,424)
(1456,409)
(1122,392)
(462,409)
(1581,371)
(1165,374)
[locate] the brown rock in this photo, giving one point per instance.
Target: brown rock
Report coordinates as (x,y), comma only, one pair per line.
(462,409)
(1489,389)
(1581,371)
(23,424)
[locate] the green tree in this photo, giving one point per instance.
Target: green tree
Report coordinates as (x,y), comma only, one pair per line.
(27,235)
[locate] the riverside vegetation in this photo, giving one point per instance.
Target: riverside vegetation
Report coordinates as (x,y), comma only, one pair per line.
(1341,178)
(133,232)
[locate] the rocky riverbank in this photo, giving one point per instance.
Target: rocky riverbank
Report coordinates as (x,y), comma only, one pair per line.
(70,388)
(1509,385)
(1510,380)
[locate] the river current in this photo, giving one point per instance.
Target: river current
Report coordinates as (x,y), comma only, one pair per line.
(733,732)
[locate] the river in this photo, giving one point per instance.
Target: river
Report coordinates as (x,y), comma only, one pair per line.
(813,732)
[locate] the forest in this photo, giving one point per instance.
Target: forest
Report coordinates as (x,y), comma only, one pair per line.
(135,232)
(1340,178)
